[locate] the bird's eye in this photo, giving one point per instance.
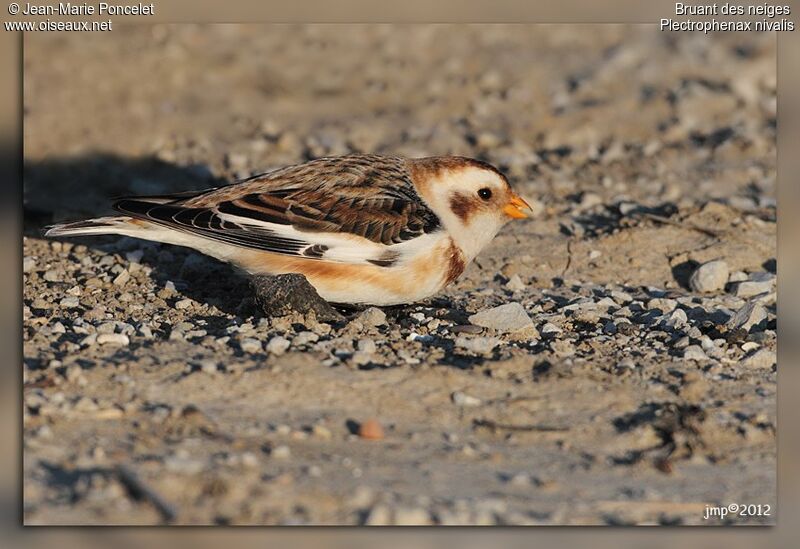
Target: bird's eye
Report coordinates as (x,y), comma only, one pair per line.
(485,193)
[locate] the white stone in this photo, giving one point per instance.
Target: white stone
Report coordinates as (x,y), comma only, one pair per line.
(462,399)
(505,318)
(760,359)
(251,345)
(113,339)
(694,352)
(709,277)
(278,345)
(477,345)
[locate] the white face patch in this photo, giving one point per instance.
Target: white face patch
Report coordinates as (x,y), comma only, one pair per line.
(471,219)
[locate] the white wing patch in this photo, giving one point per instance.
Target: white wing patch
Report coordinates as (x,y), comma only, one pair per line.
(342,247)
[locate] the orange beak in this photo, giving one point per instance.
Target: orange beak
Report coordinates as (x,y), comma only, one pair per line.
(514,207)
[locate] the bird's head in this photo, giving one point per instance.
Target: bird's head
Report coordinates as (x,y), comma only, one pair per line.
(472,198)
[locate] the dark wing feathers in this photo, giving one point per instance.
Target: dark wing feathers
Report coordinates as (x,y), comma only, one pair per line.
(206,222)
(366,195)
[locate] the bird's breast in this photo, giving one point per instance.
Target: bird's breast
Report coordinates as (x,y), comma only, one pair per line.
(415,278)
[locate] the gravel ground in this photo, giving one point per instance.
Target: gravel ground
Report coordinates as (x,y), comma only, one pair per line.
(609,361)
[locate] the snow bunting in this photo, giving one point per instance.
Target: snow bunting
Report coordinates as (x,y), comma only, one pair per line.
(369,229)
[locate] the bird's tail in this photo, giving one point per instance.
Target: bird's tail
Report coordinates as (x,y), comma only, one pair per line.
(123,225)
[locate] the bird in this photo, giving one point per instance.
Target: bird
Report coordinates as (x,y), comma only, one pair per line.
(364,229)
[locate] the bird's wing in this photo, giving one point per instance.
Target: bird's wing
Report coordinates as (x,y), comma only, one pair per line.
(350,209)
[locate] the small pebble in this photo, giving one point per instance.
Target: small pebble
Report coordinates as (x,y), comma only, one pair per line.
(755,286)
(372,317)
(304,338)
(70,302)
(371,430)
(763,358)
(122,278)
(278,345)
(251,345)
(113,339)
(366,346)
(281,452)
(694,352)
(505,318)
(321,431)
(749,315)
(183,304)
(463,399)
(709,277)
(515,283)
(550,329)
(477,345)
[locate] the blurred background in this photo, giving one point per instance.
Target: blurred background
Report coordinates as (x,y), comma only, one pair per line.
(562,109)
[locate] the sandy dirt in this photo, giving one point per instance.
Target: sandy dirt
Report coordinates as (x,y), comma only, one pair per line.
(155,391)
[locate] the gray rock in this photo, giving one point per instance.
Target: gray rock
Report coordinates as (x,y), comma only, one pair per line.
(278,345)
(751,314)
(183,304)
(360,358)
(763,358)
(758,283)
(710,277)
(372,318)
(122,278)
(663,304)
(580,304)
(285,294)
(304,338)
(676,318)
(621,297)
(28,264)
(515,283)
(706,343)
(737,276)
(70,302)
(550,329)
(694,352)
(742,203)
(505,318)
(113,339)
(419,317)
(477,345)
(682,342)
(251,345)
(366,346)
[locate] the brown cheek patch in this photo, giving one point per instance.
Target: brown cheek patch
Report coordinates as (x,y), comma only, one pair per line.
(463,206)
